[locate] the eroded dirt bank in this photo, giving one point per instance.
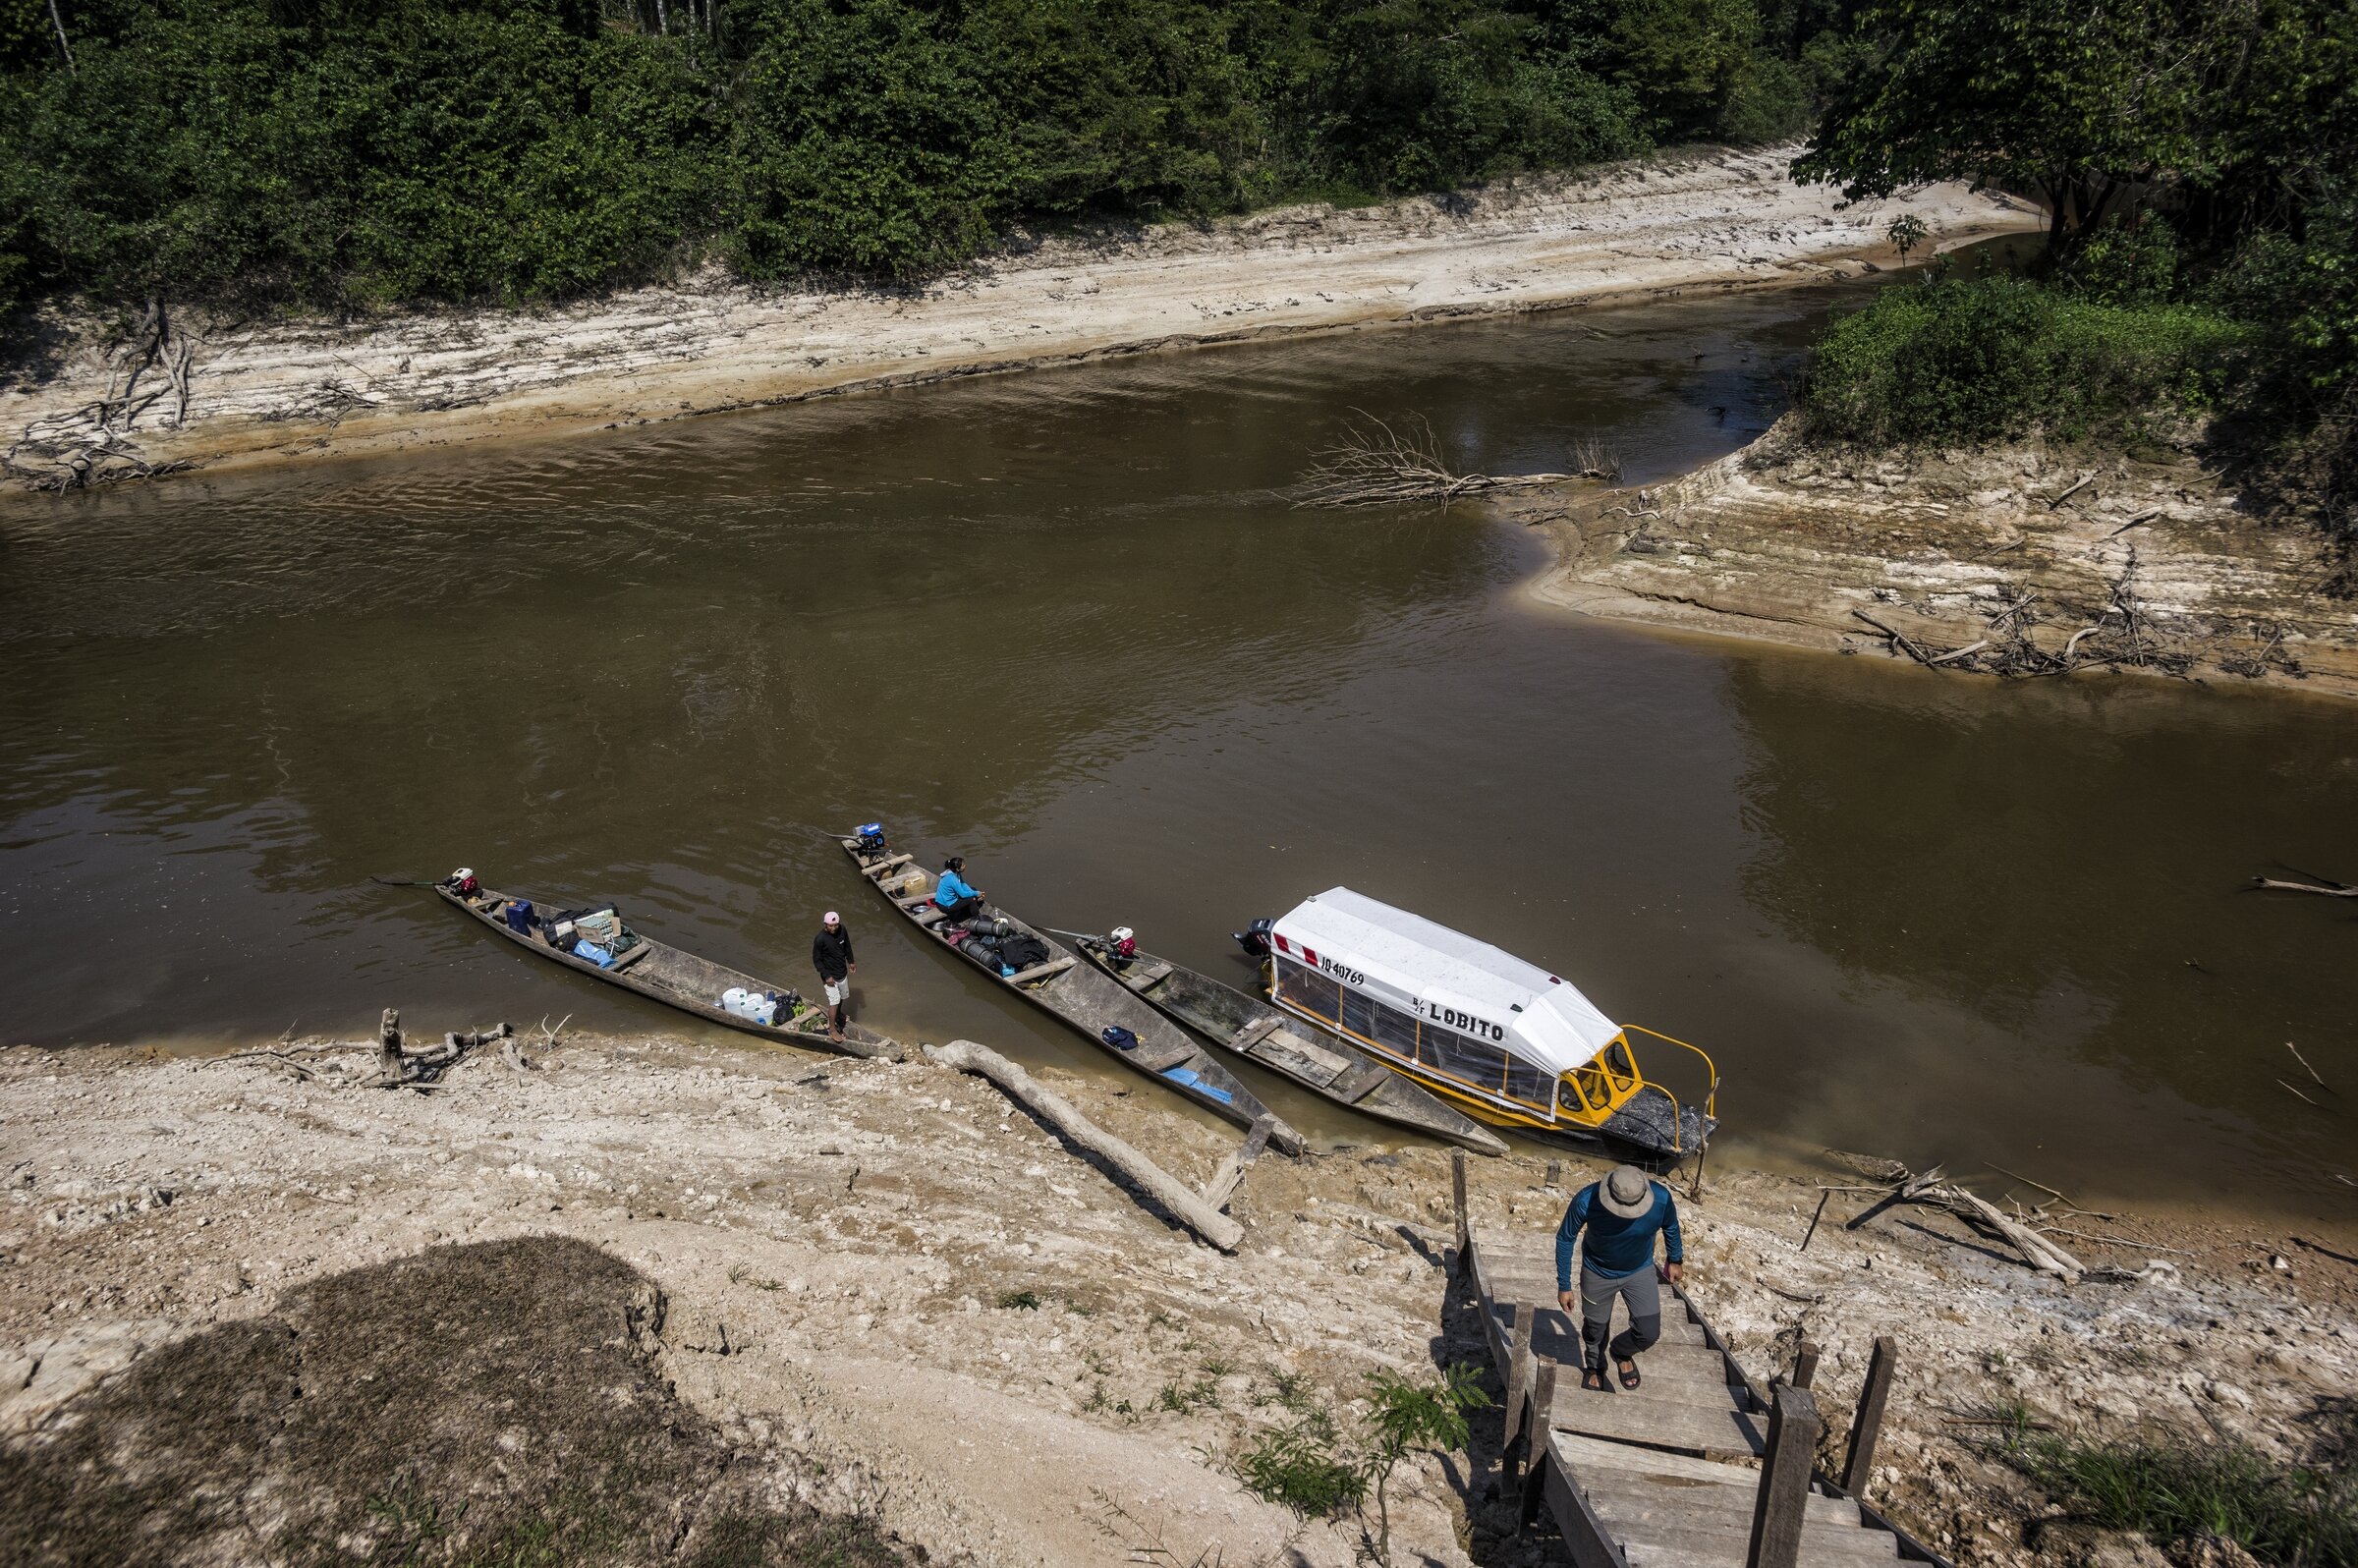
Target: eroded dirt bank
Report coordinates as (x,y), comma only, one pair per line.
(887,1295)
(2022,561)
(215,393)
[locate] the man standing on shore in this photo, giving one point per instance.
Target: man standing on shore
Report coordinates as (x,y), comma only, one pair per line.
(831,956)
(1614,1222)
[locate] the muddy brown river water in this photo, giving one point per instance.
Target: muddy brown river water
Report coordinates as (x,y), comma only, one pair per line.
(1061,623)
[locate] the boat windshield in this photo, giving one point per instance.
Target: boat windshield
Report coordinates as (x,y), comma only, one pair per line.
(1619,1065)
(1606,1080)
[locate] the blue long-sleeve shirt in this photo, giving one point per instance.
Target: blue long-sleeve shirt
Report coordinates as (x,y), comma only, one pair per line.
(1612,1246)
(951,888)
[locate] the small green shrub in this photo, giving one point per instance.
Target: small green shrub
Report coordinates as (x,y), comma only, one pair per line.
(1301,1467)
(2281,1514)
(1019,1301)
(1961,361)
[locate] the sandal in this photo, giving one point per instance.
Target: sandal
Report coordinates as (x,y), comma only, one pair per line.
(1594,1381)
(1629,1373)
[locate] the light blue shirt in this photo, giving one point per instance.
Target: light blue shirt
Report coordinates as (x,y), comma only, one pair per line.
(951,888)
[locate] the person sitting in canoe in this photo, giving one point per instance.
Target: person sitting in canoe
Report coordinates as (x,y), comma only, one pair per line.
(953,895)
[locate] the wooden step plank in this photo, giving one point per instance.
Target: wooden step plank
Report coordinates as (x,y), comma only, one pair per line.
(1677,1327)
(1732,1496)
(1685,1552)
(1697,1542)
(1681,1382)
(1688,1429)
(1667,1396)
(1575,1452)
(1632,1521)
(1676,1366)
(1649,1554)
(876,868)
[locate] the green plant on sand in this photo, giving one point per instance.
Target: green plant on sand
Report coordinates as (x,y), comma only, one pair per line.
(1296,1465)
(1302,1465)
(2299,1516)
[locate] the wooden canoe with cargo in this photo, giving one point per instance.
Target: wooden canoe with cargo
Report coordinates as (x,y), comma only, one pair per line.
(1082,996)
(1318,1060)
(677,978)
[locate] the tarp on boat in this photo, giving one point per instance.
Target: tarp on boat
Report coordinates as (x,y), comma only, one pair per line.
(1453,980)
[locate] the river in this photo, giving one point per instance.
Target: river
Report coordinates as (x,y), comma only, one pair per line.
(1063,623)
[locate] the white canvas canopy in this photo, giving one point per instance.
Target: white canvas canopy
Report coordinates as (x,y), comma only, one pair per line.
(1446,975)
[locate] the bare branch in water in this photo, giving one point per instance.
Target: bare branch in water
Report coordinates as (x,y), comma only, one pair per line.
(1377,464)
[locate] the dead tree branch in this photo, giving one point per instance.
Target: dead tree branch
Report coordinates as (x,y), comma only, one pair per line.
(2332,890)
(95,444)
(1376,465)
(2038,1248)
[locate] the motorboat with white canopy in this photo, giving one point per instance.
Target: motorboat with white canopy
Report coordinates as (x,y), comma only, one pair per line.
(1505,1040)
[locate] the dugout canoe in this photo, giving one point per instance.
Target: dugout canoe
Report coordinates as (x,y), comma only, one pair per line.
(679,979)
(1083,997)
(1320,1062)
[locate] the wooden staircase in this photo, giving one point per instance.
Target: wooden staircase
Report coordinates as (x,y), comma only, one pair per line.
(1697,1468)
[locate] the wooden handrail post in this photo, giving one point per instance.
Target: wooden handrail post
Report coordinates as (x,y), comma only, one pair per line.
(1518,1370)
(1457,1194)
(1542,1405)
(1539,1424)
(1868,1425)
(1779,1507)
(1805,1366)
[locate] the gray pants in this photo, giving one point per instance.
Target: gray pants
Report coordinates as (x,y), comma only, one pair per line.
(1640,1292)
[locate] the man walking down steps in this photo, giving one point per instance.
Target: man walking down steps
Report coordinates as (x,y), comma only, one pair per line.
(1614,1222)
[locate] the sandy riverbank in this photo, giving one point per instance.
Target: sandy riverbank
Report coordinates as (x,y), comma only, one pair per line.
(883,1294)
(269,392)
(1989,561)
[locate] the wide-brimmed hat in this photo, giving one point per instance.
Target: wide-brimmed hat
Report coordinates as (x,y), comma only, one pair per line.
(1626,1191)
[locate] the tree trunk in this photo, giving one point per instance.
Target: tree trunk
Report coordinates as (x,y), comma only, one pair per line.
(1181,1204)
(58,22)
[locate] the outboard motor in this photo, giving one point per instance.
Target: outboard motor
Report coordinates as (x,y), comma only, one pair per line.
(1254,939)
(871,837)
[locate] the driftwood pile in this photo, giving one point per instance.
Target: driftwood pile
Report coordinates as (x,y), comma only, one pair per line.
(1376,465)
(92,444)
(2121,634)
(397,1064)
(2021,1230)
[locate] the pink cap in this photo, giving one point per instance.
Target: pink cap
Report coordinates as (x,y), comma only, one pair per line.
(832,917)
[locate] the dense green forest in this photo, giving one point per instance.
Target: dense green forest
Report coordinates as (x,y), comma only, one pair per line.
(2199,160)
(2199,163)
(350,152)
